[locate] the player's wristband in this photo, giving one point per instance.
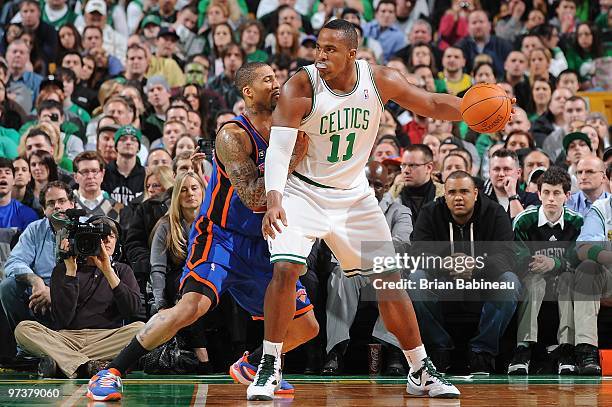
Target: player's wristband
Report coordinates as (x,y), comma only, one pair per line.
(278,156)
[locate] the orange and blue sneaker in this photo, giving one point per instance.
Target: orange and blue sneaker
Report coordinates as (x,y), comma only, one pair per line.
(243,372)
(105,386)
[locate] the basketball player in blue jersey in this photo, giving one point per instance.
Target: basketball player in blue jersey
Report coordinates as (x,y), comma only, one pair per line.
(337,102)
(226,248)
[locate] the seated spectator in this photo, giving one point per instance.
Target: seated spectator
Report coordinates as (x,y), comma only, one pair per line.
(158,157)
(25,293)
(447,220)
(28,82)
(343,293)
(518,140)
(105,138)
(540,231)
(510,26)
(591,283)
(386,147)
(89,173)
(596,142)
(454,23)
(162,62)
(88,300)
(599,122)
(453,62)
(552,120)
(172,130)
(13,214)
(577,145)
(481,41)
(534,159)
(43,170)
(592,183)
(158,180)
(169,252)
(569,79)
(185,143)
(233,57)
(22,178)
(107,63)
(124,177)
(158,96)
(453,162)
(541,93)
(584,49)
(502,186)
(52,112)
(95,14)
(417,186)
(574,109)
(539,65)
(549,36)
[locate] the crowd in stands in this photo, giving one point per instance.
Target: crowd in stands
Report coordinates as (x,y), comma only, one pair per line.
(112,107)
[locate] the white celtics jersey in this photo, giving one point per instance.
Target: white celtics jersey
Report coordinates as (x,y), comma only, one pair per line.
(341,129)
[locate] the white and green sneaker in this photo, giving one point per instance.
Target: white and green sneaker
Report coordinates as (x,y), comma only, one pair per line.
(428,382)
(266,381)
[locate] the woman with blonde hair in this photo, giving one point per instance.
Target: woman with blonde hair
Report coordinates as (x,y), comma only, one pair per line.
(169,253)
(157,181)
(539,64)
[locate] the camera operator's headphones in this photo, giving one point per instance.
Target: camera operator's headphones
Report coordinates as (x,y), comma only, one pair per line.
(103,218)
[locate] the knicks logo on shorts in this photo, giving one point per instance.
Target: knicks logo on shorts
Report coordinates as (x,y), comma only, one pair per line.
(301,295)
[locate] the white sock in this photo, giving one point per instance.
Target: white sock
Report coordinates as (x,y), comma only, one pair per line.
(274,349)
(415,357)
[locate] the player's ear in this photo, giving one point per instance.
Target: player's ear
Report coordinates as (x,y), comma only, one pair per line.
(246,91)
(352,54)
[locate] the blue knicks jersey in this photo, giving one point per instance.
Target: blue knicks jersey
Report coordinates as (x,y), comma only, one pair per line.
(222,205)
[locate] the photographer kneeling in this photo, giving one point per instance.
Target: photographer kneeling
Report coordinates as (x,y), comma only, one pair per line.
(90,301)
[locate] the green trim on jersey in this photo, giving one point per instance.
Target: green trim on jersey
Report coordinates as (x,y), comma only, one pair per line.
(314,95)
(352,91)
(375,87)
(309,181)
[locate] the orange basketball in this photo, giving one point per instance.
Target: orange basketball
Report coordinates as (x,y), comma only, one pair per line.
(486,108)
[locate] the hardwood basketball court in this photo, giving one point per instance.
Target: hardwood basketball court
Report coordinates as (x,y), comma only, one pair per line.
(218,390)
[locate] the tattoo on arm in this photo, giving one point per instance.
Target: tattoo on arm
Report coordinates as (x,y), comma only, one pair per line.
(231,148)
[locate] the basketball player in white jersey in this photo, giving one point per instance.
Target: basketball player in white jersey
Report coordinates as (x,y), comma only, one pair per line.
(338,103)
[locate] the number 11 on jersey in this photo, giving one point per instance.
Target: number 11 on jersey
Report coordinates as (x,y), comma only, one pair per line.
(335,146)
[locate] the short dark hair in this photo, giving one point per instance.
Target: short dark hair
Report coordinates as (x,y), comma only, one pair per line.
(555,176)
(185,155)
(58,185)
(537,150)
(567,72)
(71,52)
(519,132)
(461,175)
(247,74)
(575,98)
(93,27)
(65,74)
(427,153)
(6,163)
(349,33)
(87,156)
(34,2)
(504,152)
(381,2)
(50,104)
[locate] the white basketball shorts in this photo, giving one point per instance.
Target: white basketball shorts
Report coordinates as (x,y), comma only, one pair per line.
(349,221)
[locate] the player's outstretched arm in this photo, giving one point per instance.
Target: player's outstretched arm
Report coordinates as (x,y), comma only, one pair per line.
(233,150)
(394,86)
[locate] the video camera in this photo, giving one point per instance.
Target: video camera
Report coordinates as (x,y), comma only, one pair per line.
(83,237)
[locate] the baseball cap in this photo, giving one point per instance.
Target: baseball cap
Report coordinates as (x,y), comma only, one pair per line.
(452,140)
(535,174)
(150,19)
(577,135)
(157,80)
(97,6)
(168,32)
(52,80)
(393,160)
(128,130)
(309,38)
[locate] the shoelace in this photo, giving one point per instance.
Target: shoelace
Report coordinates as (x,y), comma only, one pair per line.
(109,380)
(267,370)
(431,370)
